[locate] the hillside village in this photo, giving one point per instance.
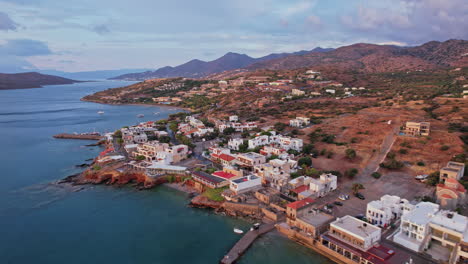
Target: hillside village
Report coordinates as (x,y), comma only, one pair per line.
(359,173)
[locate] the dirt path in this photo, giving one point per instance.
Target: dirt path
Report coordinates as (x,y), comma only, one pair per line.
(387,143)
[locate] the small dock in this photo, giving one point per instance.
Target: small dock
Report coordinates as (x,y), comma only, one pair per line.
(245,242)
(79,136)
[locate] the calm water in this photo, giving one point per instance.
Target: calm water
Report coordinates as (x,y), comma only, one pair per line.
(41,222)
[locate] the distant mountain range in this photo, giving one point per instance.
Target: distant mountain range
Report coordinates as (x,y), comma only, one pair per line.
(91,75)
(371,58)
(30,80)
(198,68)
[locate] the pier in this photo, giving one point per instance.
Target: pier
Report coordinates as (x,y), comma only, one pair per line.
(79,136)
(245,242)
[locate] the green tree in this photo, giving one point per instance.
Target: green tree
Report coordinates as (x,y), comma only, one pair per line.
(304,161)
(376,175)
(140,157)
(307,149)
(164,139)
(229,131)
(118,134)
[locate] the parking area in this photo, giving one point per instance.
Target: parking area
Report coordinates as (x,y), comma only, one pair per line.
(394,183)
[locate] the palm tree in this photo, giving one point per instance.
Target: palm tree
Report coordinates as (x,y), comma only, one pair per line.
(356,187)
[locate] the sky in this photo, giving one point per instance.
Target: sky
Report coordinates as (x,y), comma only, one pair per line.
(85,35)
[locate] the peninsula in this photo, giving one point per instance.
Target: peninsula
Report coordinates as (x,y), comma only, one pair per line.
(30,80)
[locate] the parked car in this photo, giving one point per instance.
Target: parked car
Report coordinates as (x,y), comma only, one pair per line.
(360,196)
(422,178)
(338,203)
(343,197)
(361,217)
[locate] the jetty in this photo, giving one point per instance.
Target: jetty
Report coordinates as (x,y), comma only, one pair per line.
(79,136)
(245,242)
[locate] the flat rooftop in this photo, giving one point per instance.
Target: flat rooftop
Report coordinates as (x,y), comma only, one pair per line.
(245,178)
(355,226)
(421,212)
(316,219)
(451,220)
(251,155)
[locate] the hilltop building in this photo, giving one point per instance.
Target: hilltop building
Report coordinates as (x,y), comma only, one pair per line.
(416,128)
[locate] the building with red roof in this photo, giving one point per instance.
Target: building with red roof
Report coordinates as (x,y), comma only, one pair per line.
(450,194)
(224,175)
(293,209)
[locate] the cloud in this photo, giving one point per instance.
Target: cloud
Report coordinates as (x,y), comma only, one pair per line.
(412,21)
(13,64)
(313,20)
(101,29)
(6,23)
(25,48)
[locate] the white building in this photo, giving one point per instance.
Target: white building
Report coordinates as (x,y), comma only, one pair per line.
(414,226)
(258,141)
(245,184)
(234,143)
(299,122)
(448,234)
(290,143)
(297,92)
(382,212)
(332,91)
(322,186)
(250,159)
(233,118)
(355,232)
(276,172)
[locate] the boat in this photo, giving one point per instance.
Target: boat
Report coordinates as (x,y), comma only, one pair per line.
(238,231)
(156,113)
(100,112)
(140,115)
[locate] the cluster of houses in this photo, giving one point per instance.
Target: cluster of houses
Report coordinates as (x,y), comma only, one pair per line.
(236,125)
(423,227)
(194,127)
(252,171)
(151,156)
(140,133)
(279,142)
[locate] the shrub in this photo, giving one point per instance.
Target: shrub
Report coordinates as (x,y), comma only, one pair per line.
(351,173)
(350,153)
(376,175)
(403,151)
(421,163)
(444,148)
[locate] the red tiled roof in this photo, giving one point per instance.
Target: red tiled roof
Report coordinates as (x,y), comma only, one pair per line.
(446,196)
(300,189)
(301,203)
(223,174)
(226,157)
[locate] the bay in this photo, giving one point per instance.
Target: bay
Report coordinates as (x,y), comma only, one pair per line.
(42,222)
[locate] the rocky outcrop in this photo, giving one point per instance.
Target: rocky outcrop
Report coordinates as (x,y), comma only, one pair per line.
(201,201)
(113,177)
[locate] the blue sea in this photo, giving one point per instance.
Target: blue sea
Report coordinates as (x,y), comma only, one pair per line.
(42,222)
